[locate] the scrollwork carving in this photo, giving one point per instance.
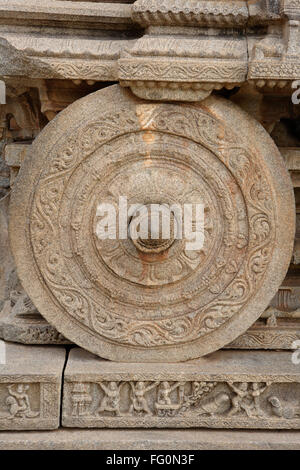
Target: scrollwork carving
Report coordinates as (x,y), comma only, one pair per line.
(152,153)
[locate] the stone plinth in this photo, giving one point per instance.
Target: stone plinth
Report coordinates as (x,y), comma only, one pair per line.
(227,389)
(30,387)
(150,439)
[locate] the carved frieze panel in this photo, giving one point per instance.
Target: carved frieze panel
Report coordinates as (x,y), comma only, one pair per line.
(115,297)
(227,390)
(30,387)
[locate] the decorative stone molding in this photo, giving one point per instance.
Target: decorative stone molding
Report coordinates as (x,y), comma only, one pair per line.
(279,325)
(282,335)
(229,389)
(171,46)
(61,13)
(186,12)
(178,80)
(185,55)
(174,91)
(272,70)
(78,53)
(150,439)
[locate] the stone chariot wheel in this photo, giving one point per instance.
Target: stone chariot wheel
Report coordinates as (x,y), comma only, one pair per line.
(130,297)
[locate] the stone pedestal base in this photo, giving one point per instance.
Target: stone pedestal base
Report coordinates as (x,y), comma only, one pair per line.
(30,386)
(154,439)
(227,389)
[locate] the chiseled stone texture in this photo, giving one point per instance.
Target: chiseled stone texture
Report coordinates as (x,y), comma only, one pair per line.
(115,298)
(22,323)
(228,389)
(154,439)
(30,387)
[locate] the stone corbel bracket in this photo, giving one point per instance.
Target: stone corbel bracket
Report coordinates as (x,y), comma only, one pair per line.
(189,49)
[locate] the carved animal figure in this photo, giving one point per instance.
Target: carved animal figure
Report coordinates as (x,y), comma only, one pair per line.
(214,404)
(281,410)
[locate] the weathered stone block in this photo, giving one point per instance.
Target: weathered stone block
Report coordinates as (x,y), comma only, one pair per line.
(14,154)
(227,389)
(292,160)
(28,327)
(150,439)
(30,387)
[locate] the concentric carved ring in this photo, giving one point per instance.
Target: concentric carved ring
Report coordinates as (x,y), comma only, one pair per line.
(128,296)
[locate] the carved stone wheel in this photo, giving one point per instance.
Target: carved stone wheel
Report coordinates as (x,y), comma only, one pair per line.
(138,299)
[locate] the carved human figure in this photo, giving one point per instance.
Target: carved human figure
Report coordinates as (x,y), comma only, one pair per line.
(138,400)
(240,401)
(247,398)
(111,399)
(256,391)
(18,402)
(164,391)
